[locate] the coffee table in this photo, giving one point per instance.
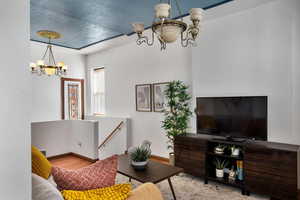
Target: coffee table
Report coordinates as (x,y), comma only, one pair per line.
(154,173)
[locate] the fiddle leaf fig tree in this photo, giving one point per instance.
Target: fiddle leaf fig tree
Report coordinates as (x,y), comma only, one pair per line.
(177,113)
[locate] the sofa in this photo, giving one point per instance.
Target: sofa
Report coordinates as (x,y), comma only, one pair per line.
(44,186)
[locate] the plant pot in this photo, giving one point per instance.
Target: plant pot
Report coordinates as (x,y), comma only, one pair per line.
(172,159)
(235,152)
(219,173)
(139,165)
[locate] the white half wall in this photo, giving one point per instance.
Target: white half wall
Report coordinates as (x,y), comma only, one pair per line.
(15,102)
(65,136)
(128,65)
(46,89)
(254,52)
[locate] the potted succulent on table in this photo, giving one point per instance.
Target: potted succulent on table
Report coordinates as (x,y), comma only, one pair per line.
(177,113)
(140,155)
(220,165)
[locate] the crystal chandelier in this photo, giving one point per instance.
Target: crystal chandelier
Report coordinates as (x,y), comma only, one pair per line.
(167,29)
(47,65)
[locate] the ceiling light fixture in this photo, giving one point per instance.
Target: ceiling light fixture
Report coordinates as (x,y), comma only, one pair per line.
(167,29)
(47,65)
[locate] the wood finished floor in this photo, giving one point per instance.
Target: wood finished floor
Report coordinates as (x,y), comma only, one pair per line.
(73,162)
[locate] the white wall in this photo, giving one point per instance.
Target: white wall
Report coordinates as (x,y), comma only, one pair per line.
(65,136)
(46,90)
(295,68)
(241,51)
(128,65)
(118,144)
(250,53)
(84,137)
(15,102)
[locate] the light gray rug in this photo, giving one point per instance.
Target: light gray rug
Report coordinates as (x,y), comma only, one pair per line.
(191,188)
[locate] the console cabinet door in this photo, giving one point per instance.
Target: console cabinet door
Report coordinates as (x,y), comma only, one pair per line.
(190,155)
(271,172)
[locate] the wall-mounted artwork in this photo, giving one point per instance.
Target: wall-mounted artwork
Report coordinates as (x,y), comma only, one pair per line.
(143,98)
(72,98)
(159,97)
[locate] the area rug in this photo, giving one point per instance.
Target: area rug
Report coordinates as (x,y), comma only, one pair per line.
(191,188)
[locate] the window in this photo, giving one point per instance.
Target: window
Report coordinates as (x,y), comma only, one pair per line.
(98,91)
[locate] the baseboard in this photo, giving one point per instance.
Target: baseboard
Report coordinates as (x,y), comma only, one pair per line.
(72,154)
(59,156)
(84,158)
(163,159)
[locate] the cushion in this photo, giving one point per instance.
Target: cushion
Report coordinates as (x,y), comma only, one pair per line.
(42,189)
(98,175)
(40,165)
(147,191)
(116,192)
(52,181)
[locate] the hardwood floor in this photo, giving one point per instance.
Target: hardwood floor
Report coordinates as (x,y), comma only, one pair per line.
(70,162)
(74,162)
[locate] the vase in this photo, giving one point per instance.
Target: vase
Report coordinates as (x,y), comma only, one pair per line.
(235,152)
(139,165)
(219,173)
(172,159)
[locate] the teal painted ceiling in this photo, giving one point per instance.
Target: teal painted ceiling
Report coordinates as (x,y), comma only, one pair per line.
(86,22)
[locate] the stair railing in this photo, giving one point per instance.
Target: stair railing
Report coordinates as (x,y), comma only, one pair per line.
(109,137)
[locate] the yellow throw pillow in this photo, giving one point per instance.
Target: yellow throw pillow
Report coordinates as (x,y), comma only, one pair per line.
(116,192)
(40,165)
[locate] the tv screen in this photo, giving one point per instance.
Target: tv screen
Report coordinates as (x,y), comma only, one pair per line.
(238,117)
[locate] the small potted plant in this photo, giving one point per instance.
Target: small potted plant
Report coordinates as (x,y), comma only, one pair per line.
(220,165)
(140,155)
(235,151)
(219,149)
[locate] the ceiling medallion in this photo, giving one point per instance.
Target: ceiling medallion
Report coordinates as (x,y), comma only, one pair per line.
(47,65)
(167,30)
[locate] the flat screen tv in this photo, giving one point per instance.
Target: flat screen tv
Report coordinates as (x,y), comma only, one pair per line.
(234,117)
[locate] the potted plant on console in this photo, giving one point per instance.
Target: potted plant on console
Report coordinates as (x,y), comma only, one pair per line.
(220,165)
(140,155)
(177,113)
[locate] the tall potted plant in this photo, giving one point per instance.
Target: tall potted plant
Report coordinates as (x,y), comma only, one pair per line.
(177,113)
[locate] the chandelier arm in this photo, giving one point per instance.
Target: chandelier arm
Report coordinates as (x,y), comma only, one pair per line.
(51,52)
(184,42)
(152,40)
(44,56)
(186,36)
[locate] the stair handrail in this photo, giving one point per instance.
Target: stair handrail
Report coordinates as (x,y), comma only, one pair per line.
(118,128)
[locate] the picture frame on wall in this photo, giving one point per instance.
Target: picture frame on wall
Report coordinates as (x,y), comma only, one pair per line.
(72,99)
(143,100)
(159,97)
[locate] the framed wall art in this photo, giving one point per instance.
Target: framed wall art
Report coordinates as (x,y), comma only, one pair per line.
(143,98)
(72,99)
(159,98)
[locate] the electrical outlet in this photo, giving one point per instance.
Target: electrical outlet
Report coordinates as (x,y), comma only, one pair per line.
(79,144)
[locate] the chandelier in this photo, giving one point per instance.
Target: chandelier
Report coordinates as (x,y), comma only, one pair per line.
(47,65)
(168,30)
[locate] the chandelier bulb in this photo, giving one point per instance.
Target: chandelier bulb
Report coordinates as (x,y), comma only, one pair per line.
(162,10)
(40,63)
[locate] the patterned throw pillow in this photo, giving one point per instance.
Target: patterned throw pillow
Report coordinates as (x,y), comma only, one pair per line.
(116,192)
(98,175)
(40,165)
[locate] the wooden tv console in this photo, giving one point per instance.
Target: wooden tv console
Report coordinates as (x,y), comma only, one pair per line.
(269,168)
